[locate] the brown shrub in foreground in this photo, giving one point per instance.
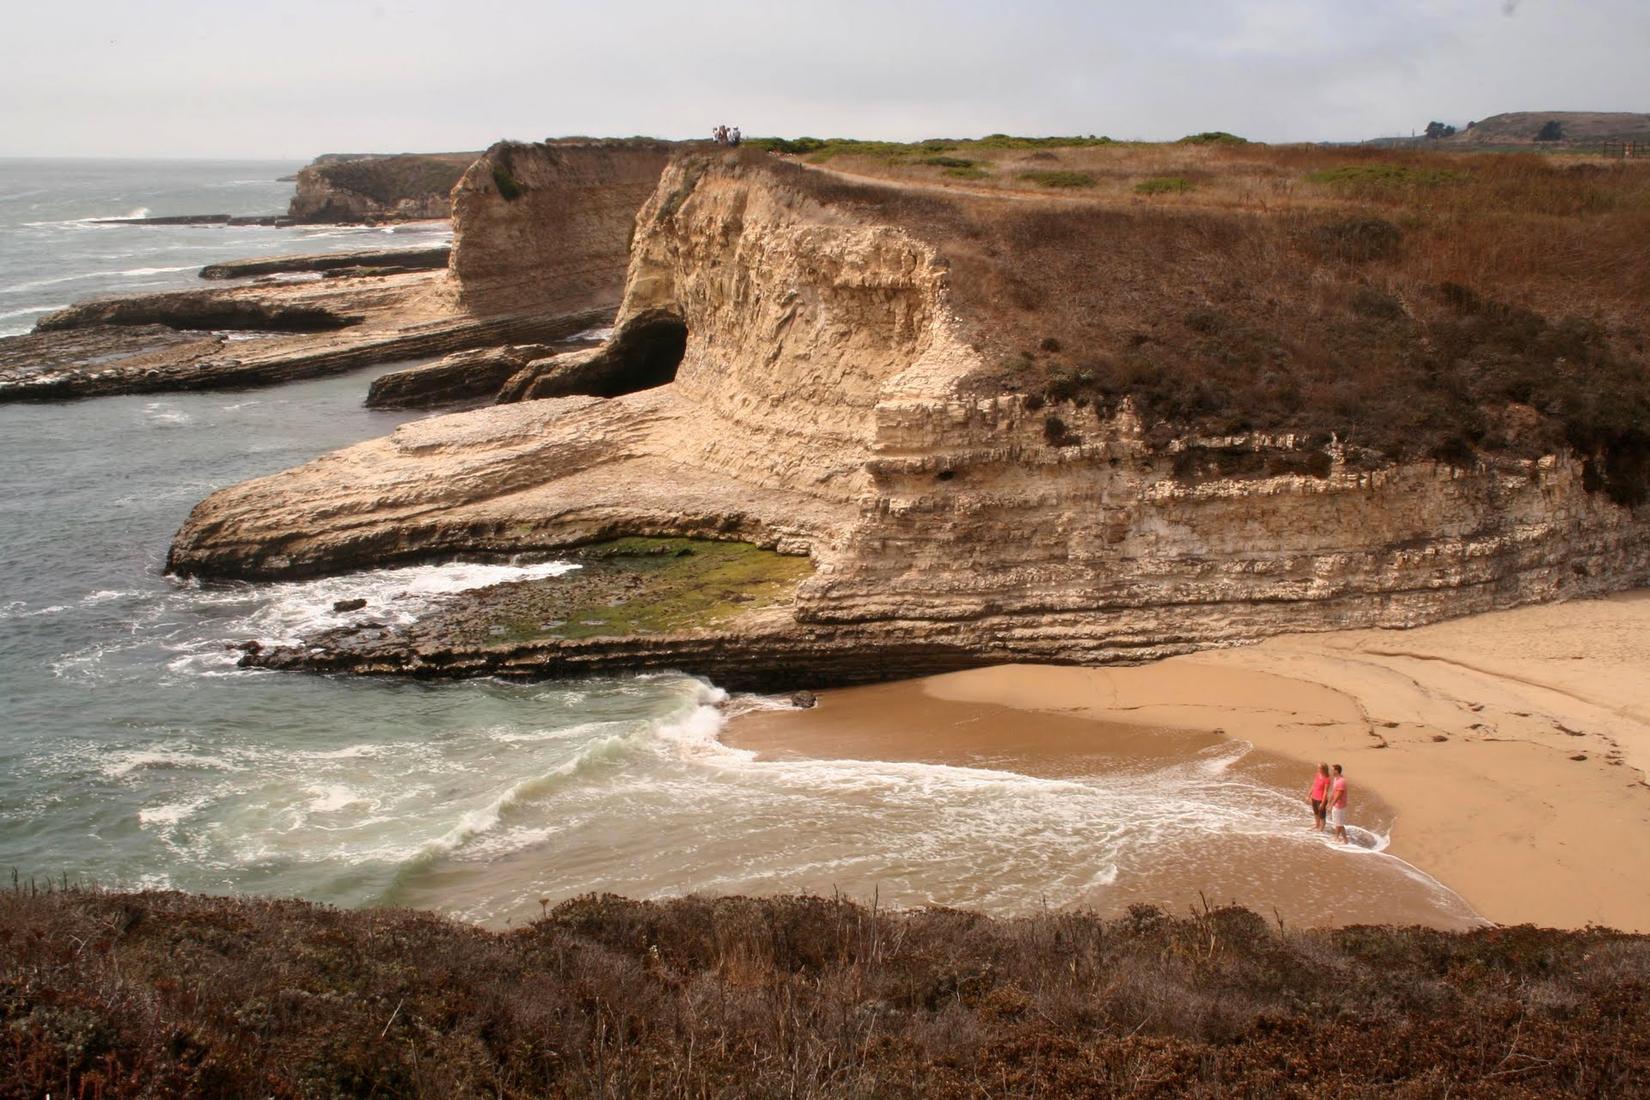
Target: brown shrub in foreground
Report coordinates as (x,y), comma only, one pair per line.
(107,995)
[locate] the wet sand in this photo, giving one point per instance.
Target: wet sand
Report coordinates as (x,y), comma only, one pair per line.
(1460,740)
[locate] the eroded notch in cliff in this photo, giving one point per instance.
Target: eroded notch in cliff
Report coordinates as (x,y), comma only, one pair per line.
(644,353)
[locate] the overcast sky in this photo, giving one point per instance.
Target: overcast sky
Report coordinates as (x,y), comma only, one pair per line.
(293,78)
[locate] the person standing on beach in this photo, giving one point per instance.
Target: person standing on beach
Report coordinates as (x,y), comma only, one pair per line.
(1337,804)
(1320,797)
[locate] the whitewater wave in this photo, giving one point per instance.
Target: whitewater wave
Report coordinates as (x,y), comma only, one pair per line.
(28,310)
(41,284)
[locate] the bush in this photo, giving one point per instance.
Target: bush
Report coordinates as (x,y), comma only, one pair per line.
(1213,137)
(508,187)
(1379,176)
(1163,185)
(1054,178)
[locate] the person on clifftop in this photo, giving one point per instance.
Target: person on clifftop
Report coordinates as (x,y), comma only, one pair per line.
(1337,804)
(1320,797)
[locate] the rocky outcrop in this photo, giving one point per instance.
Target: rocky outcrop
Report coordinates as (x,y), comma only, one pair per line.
(463,376)
(822,404)
(548,226)
(379,260)
(372,187)
(256,335)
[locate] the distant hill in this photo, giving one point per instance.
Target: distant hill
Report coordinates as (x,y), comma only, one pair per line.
(1521,127)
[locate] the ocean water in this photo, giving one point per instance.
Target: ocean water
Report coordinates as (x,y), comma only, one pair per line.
(134,753)
(52,254)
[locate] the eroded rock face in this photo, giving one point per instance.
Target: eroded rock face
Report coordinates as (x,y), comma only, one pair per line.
(549,225)
(819,405)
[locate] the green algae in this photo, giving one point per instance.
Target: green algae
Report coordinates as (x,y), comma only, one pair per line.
(635,586)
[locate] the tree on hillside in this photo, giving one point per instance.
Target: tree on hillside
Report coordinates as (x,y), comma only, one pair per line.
(1551,130)
(1437,130)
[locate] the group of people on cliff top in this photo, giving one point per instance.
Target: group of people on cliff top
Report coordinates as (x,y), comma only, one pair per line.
(1328,800)
(726,136)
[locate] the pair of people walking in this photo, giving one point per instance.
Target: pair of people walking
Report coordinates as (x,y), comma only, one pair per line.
(1329,800)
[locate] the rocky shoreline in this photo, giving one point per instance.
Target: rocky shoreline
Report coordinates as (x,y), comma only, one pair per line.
(506,281)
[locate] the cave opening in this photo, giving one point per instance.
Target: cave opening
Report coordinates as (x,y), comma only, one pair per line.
(645,354)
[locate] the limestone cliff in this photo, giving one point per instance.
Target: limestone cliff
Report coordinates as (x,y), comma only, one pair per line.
(825,403)
(548,225)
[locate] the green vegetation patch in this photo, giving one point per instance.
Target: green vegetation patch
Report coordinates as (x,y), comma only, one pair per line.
(628,586)
(1058,178)
(1212,137)
(508,187)
(971,172)
(1383,176)
(1007,141)
(1163,185)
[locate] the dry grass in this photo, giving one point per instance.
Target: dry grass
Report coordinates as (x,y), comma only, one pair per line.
(161,995)
(1412,304)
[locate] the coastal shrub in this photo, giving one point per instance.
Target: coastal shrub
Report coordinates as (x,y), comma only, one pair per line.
(940,161)
(1163,185)
(165,994)
(1057,433)
(1378,177)
(508,188)
(1057,178)
(972,172)
(1213,137)
(1006,141)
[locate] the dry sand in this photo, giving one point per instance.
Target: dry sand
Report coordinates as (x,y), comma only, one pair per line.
(1507,751)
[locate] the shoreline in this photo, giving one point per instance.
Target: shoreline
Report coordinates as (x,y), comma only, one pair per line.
(1505,744)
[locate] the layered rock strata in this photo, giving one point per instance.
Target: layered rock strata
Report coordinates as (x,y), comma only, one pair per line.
(475,375)
(548,226)
(820,406)
(382,260)
(256,335)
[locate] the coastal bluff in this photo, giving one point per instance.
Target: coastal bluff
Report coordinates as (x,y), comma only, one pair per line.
(361,187)
(839,395)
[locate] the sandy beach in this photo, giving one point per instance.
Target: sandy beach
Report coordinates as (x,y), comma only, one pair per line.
(1505,754)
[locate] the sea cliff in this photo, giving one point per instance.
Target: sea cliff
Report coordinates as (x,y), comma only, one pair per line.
(837,396)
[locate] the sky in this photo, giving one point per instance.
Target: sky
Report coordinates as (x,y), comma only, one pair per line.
(294,78)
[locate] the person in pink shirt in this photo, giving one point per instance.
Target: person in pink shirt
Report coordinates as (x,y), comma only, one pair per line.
(1337,804)
(1320,797)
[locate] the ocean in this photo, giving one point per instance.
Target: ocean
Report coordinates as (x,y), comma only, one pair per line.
(53,252)
(134,753)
